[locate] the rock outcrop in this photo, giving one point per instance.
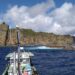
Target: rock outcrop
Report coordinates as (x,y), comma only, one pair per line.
(3,33)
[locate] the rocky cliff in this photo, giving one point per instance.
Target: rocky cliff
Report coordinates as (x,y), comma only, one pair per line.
(3,33)
(27,36)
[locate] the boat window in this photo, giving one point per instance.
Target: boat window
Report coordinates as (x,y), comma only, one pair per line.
(21,60)
(26,60)
(12,60)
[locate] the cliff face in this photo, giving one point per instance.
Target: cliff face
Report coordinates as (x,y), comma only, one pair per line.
(28,36)
(3,33)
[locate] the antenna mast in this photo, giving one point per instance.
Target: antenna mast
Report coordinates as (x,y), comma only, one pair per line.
(18,40)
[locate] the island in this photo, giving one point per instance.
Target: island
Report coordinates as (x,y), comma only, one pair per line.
(29,37)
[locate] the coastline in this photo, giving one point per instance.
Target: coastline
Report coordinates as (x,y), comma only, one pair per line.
(30,37)
(42,46)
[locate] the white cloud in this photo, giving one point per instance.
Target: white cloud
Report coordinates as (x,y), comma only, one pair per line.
(41,8)
(65,16)
(59,21)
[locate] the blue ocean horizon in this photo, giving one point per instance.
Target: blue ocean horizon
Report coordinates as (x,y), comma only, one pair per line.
(46,61)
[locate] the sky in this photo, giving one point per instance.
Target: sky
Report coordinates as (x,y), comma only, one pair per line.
(52,16)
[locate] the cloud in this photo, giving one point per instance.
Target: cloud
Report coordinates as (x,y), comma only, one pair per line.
(65,16)
(29,17)
(41,8)
(59,21)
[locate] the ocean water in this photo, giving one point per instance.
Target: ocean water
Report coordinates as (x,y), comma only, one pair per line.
(46,61)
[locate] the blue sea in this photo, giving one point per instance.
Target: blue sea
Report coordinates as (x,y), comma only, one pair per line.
(46,61)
